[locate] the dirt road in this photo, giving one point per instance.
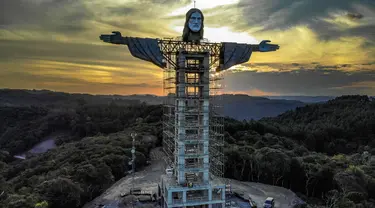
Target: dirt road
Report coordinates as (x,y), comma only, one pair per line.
(284,198)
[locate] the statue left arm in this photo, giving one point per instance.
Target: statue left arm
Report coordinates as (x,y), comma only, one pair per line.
(263,46)
(114,38)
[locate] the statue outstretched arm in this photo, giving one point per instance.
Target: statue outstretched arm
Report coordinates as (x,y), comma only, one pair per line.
(146,49)
(114,38)
(232,54)
(263,46)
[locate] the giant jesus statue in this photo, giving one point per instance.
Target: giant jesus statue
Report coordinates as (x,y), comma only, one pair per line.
(153,50)
(192,133)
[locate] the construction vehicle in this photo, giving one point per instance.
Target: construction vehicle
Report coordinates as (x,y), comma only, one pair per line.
(269,203)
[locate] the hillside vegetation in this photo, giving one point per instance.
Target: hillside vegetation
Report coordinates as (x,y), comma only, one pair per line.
(88,160)
(320,151)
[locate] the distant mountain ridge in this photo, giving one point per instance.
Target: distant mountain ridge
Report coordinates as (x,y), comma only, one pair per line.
(235,106)
(305,99)
(246,107)
(16,97)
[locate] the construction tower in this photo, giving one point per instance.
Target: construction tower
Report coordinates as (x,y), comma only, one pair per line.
(193,130)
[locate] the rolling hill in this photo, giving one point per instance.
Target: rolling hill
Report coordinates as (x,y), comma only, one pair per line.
(235,106)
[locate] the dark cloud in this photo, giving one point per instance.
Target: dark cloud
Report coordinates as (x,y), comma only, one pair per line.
(123,11)
(281,15)
(303,82)
(166,2)
(71,17)
(326,31)
(354,15)
(328,67)
(367,31)
(25,12)
(291,67)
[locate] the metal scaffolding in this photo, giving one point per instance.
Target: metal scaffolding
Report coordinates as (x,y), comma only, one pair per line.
(192,123)
(216,124)
(169,91)
(171,49)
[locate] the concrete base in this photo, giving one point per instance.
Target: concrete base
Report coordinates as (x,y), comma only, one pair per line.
(206,195)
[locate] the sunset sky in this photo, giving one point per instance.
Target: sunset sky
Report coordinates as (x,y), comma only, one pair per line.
(327,46)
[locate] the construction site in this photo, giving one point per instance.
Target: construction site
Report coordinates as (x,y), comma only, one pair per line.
(189,172)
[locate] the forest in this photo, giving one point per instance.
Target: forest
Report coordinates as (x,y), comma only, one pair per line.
(323,152)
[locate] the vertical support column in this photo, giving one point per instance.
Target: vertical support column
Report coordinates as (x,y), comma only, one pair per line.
(206,137)
(181,121)
(184,197)
(210,194)
(223,194)
(205,112)
(169,201)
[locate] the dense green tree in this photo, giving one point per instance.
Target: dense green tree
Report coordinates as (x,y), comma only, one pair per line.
(320,151)
(61,192)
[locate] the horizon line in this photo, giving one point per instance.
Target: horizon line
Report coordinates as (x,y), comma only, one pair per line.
(85,93)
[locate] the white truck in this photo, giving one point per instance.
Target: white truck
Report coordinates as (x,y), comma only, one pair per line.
(269,203)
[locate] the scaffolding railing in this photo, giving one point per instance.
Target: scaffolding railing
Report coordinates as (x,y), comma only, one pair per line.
(169,90)
(177,201)
(196,198)
(196,165)
(216,145)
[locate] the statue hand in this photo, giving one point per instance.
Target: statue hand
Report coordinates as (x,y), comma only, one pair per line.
(114,38)
(264,47)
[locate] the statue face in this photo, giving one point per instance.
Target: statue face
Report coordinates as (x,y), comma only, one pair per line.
(195,22)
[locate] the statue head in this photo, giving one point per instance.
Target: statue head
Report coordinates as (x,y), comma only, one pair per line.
(193,29)
(195,21)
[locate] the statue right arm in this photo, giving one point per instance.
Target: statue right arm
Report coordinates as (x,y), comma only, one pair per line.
(114,38)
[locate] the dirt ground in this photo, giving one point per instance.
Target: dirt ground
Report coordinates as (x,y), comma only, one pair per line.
(149,178)
(146,179)
(284,198)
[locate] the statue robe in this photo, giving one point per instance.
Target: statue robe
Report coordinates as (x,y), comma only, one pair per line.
(148,49)
(232,54)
